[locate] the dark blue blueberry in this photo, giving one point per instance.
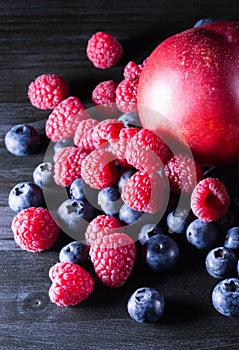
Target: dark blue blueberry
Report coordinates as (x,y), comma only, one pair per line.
(25,195)
(43,175)
(22,140)
(202,21)
(162,253)
(232,238)
(124,177)
(203,235)
(178,220)
(147,231)
(130,119)
(67,142)
(238,267)
(128,215)
(146,305)
(225,297)
(76,252)
(221,262)
(109,199)
(73,217)
(77,189)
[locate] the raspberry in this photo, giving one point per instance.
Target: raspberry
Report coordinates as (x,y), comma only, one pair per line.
(113,257)
(126,96)
(104,93)
(98,169)
(183,173)
(64,119)
(106,130)
(83,135)
(210,200)
(103,50)
(47,91)
(119,148)
(147,151)
(67,165)
(132,71)
(70,284)
(101,226)
(34,229)
(144,192)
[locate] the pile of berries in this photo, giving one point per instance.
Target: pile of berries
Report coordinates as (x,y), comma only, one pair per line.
(127,193)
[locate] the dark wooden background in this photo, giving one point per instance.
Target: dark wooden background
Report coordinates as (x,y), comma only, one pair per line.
(39,37)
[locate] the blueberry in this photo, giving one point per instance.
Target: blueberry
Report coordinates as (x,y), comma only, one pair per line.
(124,177)
(203,235)
(203,21)
(77,189)
(75,252)
(73,217)
(232,238)
(178,220)
(22,140)
(129,215)
(25,195)
(221,262)
(146,305)
(147,231)
(43,175)
(66,142)
(109,199)
(225,297)
(130,119)
(162,253)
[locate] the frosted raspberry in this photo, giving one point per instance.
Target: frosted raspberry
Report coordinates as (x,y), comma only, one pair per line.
(70,284)
(47,91)
(64,119)
(144,192)
(183,173)
(98,169)
(113,257)
(103,50)
(126,96)
(104,93)
(83,135)
(106,130)
(101,226)
(118,148)
(67,167)
(147,151)
(210,200)
(132,71)
(34,229)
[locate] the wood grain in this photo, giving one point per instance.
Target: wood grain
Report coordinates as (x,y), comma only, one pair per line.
(50,37)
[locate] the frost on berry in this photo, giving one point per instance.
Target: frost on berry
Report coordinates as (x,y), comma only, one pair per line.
(126,96)
(106,130)
(83,135)
(132,71)
(210,200)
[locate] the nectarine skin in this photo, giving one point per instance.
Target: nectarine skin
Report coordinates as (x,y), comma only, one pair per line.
(192,81)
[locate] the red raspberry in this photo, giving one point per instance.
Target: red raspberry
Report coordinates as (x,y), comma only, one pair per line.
(83,135)
(106,130)
(132,71)
(64,119)
(47,91)
(119,148)
(67,167)
(210,200)
(147,151)
(34,229)
(70,284)
(113,257)
(126,96)
(101,226)
(144,192)
(183,173)
(104,93)
(98,169)
(103,50)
